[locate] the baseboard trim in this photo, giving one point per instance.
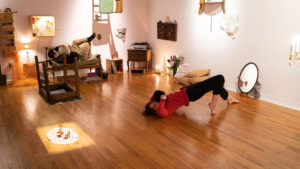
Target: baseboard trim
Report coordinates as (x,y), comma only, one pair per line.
(278,101)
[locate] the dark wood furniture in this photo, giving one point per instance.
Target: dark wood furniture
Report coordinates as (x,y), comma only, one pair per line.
(140,55)
(56,92)
(90,64)
(167,31)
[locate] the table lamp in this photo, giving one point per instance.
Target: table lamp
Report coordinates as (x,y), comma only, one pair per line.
(26,47)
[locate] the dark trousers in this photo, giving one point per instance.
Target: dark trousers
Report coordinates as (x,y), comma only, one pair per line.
(216,84)
(70,58)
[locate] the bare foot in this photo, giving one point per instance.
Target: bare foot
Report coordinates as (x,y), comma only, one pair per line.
(231,100)
(212,108)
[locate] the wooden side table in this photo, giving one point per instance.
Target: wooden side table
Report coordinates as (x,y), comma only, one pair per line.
(114,65)
(29,70)
(140,55)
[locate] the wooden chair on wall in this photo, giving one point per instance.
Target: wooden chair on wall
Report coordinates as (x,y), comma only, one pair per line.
(87,64)
(56,92)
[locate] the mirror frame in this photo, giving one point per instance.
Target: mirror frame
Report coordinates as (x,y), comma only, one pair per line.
(241,74)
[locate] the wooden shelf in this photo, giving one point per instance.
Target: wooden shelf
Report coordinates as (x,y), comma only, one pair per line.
(212,2)
(6,17)
(7,34)
(167,31)
(7,28)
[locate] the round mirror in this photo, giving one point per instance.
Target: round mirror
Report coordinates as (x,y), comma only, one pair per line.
(248,77)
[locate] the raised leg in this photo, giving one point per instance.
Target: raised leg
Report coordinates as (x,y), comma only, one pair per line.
(213,104)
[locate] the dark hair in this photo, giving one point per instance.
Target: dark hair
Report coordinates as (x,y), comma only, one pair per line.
(157,95)
(51,52)
(149,111)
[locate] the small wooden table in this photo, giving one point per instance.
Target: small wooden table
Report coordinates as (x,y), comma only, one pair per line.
(114,65)
(139,55)
(29,70)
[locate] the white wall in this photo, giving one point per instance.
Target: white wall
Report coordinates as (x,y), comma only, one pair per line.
(74,20)
(266,28)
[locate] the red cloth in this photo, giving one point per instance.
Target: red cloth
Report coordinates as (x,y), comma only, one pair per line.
(172,103)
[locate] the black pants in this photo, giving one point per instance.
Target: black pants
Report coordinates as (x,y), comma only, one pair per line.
(70,58)
(216,84)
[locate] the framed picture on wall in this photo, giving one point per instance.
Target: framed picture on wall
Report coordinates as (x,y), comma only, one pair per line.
(110,6)
(43,25)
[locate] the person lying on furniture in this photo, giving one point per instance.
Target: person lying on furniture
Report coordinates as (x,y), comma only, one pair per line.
(163,106)
(80,49)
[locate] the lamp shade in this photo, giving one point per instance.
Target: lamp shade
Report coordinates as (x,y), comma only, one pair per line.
(26,46)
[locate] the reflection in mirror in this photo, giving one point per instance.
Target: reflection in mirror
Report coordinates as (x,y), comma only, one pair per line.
(248,77)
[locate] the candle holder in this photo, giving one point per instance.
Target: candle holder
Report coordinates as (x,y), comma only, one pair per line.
(295,50)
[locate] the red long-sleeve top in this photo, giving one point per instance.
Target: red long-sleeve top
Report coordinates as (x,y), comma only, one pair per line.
(174,100)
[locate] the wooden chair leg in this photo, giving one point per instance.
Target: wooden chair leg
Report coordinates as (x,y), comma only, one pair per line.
(65,76)
(77,79)
(100,65)
(53,75)
(38,73)
(46,81)
(65,70)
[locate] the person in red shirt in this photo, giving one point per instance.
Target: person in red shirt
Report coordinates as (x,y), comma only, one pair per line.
(163,106)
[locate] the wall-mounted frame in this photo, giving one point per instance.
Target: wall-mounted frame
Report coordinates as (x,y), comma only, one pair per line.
(167,31)
(101,8)
(43,25)
(110,6)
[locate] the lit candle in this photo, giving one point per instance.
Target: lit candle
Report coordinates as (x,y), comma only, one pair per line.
(298,43)
(157,69)
(293,45)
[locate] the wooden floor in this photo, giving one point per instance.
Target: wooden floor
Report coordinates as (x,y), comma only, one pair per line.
(253,134)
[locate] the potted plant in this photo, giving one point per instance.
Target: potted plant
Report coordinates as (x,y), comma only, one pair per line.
(175,62)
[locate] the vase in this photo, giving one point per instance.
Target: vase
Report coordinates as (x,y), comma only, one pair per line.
(174,71)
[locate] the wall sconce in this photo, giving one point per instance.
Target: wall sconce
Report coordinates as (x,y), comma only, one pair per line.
(295,50)
(27,48)
(121,32)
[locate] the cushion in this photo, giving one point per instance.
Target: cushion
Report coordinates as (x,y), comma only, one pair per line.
(197,79)
(197,73)
(182,80)
(188,81)
(88,62)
